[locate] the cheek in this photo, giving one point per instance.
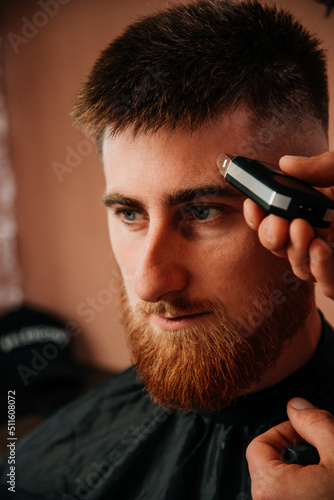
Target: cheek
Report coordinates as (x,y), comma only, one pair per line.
(238,267)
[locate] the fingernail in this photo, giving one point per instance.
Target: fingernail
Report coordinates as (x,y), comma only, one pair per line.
(247,214)
(296,157)
(301,404)
(267,230)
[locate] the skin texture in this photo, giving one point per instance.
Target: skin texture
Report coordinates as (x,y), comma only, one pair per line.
(162,258)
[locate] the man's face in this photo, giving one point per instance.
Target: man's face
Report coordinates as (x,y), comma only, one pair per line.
(192,268)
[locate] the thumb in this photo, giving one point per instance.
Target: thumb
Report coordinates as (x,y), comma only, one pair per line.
(314,425)
(317,170)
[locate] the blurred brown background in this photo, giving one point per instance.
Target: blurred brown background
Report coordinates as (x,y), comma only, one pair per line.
(67,264)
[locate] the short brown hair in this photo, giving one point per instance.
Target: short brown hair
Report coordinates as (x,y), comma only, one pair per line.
(192,63)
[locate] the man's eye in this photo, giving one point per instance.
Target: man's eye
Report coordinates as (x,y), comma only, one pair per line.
(130,215)
(202,212)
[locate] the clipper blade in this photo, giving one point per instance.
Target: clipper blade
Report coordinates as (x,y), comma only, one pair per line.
(223,162)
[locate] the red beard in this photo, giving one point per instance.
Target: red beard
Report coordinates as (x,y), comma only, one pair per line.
(206,368)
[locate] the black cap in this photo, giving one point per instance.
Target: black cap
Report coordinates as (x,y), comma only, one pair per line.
(36,361)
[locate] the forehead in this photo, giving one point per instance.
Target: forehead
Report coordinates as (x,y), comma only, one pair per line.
(165,159)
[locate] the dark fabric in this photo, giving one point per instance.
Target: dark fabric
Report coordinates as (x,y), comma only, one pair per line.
(37,362)
(114,444)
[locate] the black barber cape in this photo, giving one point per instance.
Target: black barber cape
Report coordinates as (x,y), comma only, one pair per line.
(115,444)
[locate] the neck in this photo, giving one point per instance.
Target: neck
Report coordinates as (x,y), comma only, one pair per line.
(298,351)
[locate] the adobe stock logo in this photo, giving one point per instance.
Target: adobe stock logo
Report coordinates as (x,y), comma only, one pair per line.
(30,27)
(73,158)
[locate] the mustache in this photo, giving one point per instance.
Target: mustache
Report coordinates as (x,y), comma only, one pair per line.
(180,307)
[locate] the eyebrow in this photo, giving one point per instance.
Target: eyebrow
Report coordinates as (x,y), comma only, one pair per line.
(111,199)
(177,198)
(209,190)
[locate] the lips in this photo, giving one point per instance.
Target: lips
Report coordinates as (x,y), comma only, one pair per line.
(178,322)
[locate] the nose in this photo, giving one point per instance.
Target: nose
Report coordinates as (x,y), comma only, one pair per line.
(161,271)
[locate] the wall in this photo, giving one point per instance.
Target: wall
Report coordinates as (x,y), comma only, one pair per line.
(67,263)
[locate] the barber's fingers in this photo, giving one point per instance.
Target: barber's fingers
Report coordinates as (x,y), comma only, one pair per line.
(306,423)
(317,170)
(265,452)
(310,251)
(272,478)
(273,231)
(322,265)
(301,234)
(253,214)
(312,257)
(315,426)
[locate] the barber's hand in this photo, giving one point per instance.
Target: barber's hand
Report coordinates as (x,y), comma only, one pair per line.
(272,479)
(309,250)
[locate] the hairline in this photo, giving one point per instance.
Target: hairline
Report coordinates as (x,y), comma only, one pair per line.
(280,127)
